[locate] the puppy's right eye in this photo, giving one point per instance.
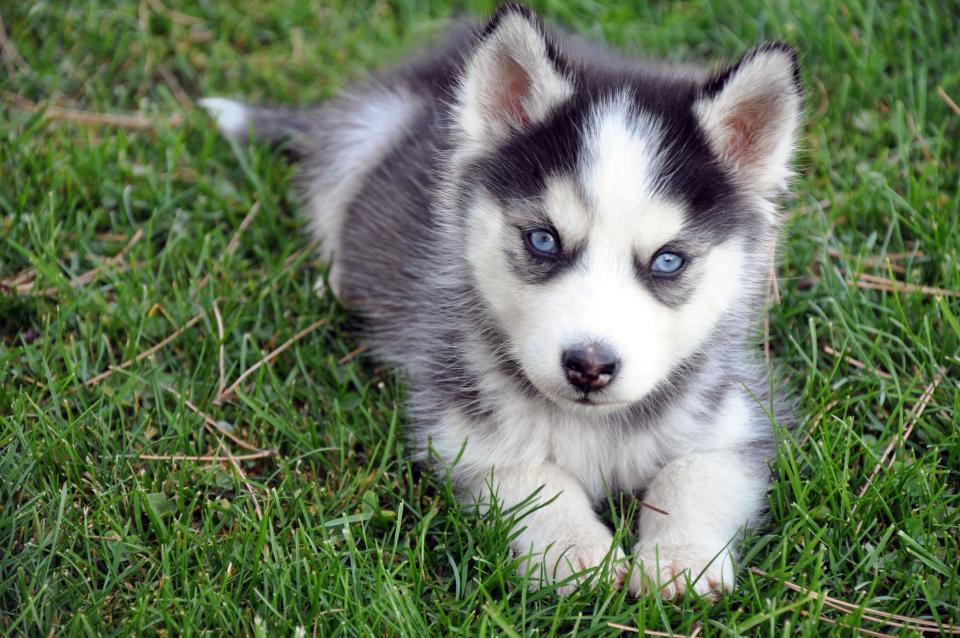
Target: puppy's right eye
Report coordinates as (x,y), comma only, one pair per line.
(543,242)
(666,264)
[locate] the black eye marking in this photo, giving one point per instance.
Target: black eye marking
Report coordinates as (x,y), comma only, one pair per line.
(539,254)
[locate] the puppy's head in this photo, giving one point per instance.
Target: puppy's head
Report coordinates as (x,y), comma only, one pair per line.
(615,217)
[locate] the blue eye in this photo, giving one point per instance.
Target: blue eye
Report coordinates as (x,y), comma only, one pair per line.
(666,263)
(543,241)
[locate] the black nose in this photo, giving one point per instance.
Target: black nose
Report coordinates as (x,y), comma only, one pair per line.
(590,367)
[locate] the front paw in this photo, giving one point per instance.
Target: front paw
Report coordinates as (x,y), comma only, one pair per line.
(672,568)
(579,558)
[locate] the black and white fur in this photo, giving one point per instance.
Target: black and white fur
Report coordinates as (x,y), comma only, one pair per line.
(421,185)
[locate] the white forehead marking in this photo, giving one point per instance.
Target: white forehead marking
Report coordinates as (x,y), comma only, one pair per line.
(566,209)
(619,175)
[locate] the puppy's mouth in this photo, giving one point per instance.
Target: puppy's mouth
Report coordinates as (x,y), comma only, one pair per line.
(591,401)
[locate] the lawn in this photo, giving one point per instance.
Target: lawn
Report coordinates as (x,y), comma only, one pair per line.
(193,442)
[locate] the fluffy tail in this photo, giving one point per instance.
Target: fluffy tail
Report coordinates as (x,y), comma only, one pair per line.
(281,127)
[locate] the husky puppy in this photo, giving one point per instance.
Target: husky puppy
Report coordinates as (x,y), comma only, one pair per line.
(563,251)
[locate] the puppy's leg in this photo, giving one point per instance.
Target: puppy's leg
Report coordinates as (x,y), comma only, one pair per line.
(563,535)
(709,498)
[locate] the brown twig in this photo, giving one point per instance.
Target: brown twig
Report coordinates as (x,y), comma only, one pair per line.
(910,254)
(223,396)
(652,508)
(830,621)
(196,36)
(367,482)
(11,57)
(22,277)
(26,288)
(774,284)
(246,484)
(178,93)
(91,275)
(924,147)
(212,424)
(350,356)
(872,282)
(135,122)
(108,236)
(143,355)
(887,261)
(877,279)
(892,623)
(860,365)
(182,19)
(816,421)
(824,102)
(221,355)
(646,632)
(209,420)
(32,381)
(869,613)
(298,254)
(206,458)
(234,242)
(334,610)
(915,413)
(946,98)
(105,237)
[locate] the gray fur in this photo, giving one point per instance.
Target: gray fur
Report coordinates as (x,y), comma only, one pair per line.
(388,198)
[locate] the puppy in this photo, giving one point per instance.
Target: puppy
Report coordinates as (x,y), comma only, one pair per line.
(563,252)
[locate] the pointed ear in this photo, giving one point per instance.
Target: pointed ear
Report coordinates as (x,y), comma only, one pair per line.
(751,113)
(512,79)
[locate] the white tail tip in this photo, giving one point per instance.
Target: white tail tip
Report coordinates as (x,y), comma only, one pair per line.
(230,116)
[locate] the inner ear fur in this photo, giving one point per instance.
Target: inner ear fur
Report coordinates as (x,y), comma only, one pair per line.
(513,77)
(750,114)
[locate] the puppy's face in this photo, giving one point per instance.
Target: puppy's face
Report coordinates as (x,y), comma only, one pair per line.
(612,226)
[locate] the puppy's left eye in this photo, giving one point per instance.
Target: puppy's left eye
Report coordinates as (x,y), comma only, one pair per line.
(666,263)
(543,242)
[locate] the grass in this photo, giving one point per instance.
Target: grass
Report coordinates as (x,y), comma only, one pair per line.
(334,533)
